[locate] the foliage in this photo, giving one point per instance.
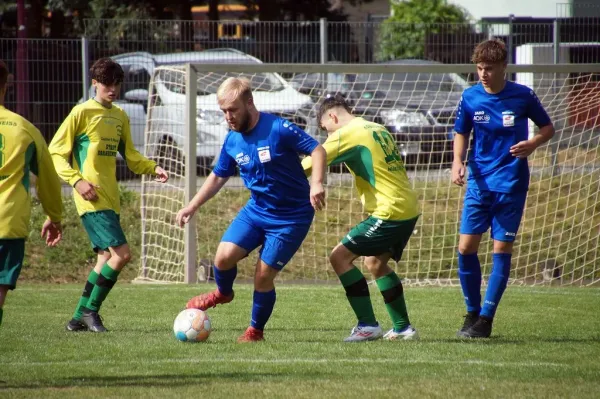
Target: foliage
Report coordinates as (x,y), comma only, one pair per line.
(403,34)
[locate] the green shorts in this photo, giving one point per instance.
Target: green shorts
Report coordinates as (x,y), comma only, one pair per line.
(12,253)
(374,237)
(104,229)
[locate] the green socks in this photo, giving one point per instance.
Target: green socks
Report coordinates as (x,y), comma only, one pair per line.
(106,280)
(85,296)
(357,292)
(393,296)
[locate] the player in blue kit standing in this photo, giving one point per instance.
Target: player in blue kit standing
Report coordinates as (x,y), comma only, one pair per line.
(497,111)
(281,207)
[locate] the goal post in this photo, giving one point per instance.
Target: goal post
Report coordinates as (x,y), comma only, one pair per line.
(558,238)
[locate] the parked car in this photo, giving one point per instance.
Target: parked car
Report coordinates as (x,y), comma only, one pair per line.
(272,94)
(417,108)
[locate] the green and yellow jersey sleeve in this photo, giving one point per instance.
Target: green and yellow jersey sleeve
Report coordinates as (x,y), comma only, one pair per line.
(86,146)
(23,150)
(371,155)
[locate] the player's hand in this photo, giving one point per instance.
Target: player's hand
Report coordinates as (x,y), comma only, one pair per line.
(523,149)
(87,190)
(52,232)
(161,175)
(317,196)
(458,173)
(184,216)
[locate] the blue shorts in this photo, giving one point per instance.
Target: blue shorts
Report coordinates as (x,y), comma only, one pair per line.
(280,239)
(500,211)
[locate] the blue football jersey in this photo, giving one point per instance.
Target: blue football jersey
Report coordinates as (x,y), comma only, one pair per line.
(498,121)
(269,163)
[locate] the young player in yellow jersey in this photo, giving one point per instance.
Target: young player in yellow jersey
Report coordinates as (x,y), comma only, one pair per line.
(22,150)
(370,153)
(84,152)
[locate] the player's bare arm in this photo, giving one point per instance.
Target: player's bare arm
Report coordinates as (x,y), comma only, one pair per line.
(87,190)
(525,148)
(319,163)
(209,189)
(458,165)
(161,175)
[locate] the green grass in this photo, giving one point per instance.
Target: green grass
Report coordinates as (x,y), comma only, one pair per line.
(561,223)
(546,343)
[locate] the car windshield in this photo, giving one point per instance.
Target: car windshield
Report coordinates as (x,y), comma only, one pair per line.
(208,83)
(420,82)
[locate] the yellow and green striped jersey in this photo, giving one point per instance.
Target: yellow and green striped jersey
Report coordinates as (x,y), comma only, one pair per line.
(370,152)
(23,150)
(85,147)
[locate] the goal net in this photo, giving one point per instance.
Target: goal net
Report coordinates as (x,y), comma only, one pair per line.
(558,239)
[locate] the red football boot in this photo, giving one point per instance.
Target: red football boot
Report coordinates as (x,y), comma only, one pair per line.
(208,300)
(251,335)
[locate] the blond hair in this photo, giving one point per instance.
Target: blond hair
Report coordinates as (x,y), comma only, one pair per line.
(232,88)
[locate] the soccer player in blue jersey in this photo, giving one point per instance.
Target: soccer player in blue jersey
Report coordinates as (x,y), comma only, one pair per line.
(281,207)
(497,111)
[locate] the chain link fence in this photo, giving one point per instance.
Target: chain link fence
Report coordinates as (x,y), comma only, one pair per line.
(50,75)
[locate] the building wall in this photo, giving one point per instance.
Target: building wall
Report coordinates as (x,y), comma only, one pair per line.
(530,8)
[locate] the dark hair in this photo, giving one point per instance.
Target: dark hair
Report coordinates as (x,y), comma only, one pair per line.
(330,103)
(491,51)
(3,74)
(107,72)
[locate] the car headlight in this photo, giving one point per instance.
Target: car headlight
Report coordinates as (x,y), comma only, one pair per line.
(399,118)
(210,117)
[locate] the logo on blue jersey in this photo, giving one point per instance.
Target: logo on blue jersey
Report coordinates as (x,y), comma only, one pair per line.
(242,159)
(481,117)
(508,118)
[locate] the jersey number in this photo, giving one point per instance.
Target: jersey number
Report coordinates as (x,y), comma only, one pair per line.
(1,150)
(388,146)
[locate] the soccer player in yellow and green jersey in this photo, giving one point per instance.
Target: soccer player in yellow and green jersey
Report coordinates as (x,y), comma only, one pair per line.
(84,152)
(22,150)
(371,155)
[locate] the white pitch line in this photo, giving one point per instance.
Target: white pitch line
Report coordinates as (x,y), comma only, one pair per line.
(114,362)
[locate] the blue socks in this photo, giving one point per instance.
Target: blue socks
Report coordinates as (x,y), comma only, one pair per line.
(496,284)
(469,273)
(224,279)
(262,307)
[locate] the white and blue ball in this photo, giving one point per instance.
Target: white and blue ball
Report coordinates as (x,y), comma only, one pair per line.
(192,325)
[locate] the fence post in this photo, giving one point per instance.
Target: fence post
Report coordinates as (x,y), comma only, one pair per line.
(323,39)
(189,234)
(324,51)
(555,142)
(556,40)
(85,67)
(510,38)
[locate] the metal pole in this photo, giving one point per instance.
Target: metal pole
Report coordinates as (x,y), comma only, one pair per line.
(85,67)
(190,171)
(323,41)
(22,72)
(556,41)
(510,38)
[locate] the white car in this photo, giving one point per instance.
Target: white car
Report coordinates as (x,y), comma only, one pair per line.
(272,94)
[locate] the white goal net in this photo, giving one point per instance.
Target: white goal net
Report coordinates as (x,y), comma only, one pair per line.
(558,239)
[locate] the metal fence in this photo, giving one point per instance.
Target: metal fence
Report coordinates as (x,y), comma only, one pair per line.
(50,75)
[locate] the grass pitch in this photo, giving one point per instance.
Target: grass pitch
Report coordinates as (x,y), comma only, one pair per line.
(546,344)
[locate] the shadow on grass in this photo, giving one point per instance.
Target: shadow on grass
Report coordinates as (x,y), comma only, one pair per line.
(161,380)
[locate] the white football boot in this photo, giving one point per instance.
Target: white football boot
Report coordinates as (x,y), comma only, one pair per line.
(408,334)
(364,333)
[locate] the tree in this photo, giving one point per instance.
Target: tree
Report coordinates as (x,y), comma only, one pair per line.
(403,34)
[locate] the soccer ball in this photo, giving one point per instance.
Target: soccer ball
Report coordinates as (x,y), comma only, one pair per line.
(192,325)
